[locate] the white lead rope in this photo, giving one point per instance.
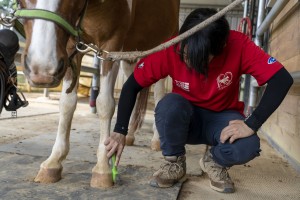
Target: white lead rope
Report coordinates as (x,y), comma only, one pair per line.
(133,55)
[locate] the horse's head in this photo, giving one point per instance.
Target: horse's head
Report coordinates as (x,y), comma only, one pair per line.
(45,55)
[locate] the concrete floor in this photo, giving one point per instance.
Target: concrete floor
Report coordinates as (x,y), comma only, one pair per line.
(27,140)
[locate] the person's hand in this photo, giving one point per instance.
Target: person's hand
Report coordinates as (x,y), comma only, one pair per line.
(235,130)
(115,144)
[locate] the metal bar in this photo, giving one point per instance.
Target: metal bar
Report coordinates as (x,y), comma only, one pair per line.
(46,92)
(253,91)
(92,70)
(246,4)
(262,27)
(247,77)
(278,6)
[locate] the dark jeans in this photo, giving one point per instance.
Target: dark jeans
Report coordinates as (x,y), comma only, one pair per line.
(179,122)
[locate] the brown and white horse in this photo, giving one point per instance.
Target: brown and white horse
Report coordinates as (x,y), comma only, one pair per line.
(112,25)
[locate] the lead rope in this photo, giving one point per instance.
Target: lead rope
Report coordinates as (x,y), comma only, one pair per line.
(133,55)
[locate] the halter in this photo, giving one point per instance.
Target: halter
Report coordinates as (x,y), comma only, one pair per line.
(23,13)
(46,15)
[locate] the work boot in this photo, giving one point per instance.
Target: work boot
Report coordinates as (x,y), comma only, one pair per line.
(218,175)
(170,172)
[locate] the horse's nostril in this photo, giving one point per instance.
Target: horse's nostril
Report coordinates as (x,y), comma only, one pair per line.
(61,66)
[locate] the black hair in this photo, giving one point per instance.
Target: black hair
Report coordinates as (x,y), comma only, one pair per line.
(207,41)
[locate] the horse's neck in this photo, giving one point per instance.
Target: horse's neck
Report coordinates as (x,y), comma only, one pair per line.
(106,15)
(131,3)
(107,5)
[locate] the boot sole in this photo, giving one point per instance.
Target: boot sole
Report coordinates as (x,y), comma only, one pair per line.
(154,183)
(225,190)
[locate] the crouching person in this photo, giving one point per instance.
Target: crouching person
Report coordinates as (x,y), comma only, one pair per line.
(203,107)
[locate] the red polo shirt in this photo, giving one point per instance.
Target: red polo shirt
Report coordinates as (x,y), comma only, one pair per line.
(220,90)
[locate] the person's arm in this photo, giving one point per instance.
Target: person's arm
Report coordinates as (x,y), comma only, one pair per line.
(276,90)
(116,142)
(148,71)
(126,103)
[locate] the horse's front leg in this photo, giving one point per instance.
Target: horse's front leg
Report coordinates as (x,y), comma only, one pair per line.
(51,169)
(101,173)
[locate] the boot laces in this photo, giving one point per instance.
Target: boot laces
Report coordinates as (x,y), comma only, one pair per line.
(220,173)
(171,170)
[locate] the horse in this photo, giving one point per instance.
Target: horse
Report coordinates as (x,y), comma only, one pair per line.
(50,50)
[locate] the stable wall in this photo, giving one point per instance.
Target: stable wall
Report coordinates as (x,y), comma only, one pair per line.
(283,127)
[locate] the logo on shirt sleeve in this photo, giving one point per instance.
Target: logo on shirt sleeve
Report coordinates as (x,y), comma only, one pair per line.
(271,60)
(141,65)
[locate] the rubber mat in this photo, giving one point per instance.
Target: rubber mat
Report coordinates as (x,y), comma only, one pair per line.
(18,171)
(267,177)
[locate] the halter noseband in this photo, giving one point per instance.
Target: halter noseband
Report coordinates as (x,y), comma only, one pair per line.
(46,15)
(49,16)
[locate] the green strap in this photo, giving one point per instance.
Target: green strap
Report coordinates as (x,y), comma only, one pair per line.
(47,15)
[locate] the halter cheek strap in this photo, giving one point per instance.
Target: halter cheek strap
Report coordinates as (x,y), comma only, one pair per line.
(49,16)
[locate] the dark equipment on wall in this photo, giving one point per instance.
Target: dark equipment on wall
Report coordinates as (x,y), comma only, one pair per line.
(9,99)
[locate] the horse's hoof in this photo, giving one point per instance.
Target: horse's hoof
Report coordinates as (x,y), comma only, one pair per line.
(129,140)
(48,175)
(155,145)
(101,180)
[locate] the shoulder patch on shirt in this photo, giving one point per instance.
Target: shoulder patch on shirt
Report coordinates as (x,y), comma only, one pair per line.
(141,65)
(271,60)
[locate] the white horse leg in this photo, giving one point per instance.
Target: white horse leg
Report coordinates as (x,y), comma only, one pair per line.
(159,92)
(127,67)
(101,173)
(51,169)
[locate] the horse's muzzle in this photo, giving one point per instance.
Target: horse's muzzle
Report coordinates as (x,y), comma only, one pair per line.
(42,78)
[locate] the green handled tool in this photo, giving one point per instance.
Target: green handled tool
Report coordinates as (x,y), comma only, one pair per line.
(114,169)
